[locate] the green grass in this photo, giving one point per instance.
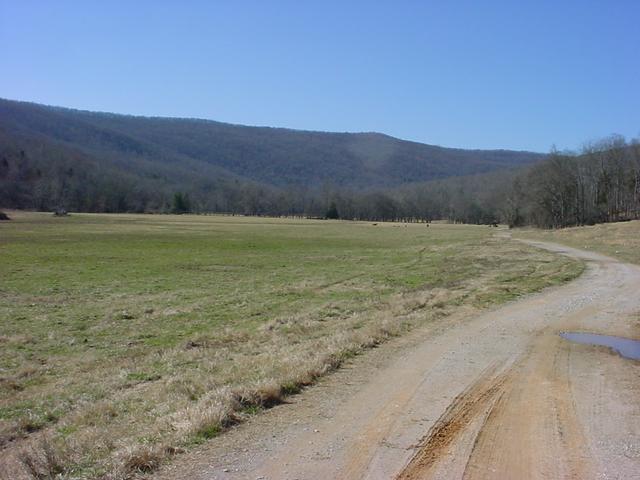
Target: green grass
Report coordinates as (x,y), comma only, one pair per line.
(120,332)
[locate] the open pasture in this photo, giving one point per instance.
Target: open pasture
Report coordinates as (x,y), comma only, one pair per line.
(127,338)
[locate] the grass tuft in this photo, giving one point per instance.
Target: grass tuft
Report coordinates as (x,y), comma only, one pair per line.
(142,459)
(44,460)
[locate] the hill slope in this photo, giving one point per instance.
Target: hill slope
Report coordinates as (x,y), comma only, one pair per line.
(187,149)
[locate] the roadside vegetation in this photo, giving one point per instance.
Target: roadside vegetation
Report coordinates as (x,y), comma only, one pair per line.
(125,339)
(620,240)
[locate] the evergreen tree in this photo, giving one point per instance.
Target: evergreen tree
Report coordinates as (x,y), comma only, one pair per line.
(332,212)
(181,203)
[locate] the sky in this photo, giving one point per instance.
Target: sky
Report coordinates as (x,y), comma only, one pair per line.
(524,75)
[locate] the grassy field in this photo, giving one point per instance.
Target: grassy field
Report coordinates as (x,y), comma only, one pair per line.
(620,240)
(125,339)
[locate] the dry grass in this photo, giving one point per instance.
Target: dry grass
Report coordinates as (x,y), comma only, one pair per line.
(44,460)
(620,240)
(122,370)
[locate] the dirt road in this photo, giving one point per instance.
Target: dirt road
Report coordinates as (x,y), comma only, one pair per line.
(499,396)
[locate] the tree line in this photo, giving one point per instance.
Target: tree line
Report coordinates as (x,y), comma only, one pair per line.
(600,184)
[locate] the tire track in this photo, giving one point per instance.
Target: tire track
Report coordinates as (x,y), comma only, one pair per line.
(533,431)
(476,401)
(517,423)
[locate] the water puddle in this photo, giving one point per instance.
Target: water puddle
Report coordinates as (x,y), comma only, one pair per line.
(625,347)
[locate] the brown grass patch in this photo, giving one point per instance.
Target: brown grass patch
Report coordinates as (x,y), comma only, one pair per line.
(44,460)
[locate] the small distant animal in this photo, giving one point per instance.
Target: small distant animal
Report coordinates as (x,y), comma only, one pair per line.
(374,224)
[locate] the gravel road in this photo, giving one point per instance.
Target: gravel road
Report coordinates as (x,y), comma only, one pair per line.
(497,395)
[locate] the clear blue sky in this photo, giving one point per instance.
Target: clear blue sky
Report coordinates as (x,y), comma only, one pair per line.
(478,74)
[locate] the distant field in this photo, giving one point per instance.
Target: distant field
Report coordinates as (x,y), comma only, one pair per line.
(126,338)
(620,240)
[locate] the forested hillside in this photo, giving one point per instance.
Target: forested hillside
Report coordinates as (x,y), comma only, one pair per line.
(83,161)
(105,162)
(601,184)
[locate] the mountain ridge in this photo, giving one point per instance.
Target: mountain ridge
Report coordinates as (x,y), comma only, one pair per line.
(112,162)
(266,127)
(254,151)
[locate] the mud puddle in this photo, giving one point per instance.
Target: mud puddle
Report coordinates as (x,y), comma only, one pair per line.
(625,347)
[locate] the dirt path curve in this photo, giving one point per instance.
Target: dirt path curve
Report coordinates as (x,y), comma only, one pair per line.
(498,395)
